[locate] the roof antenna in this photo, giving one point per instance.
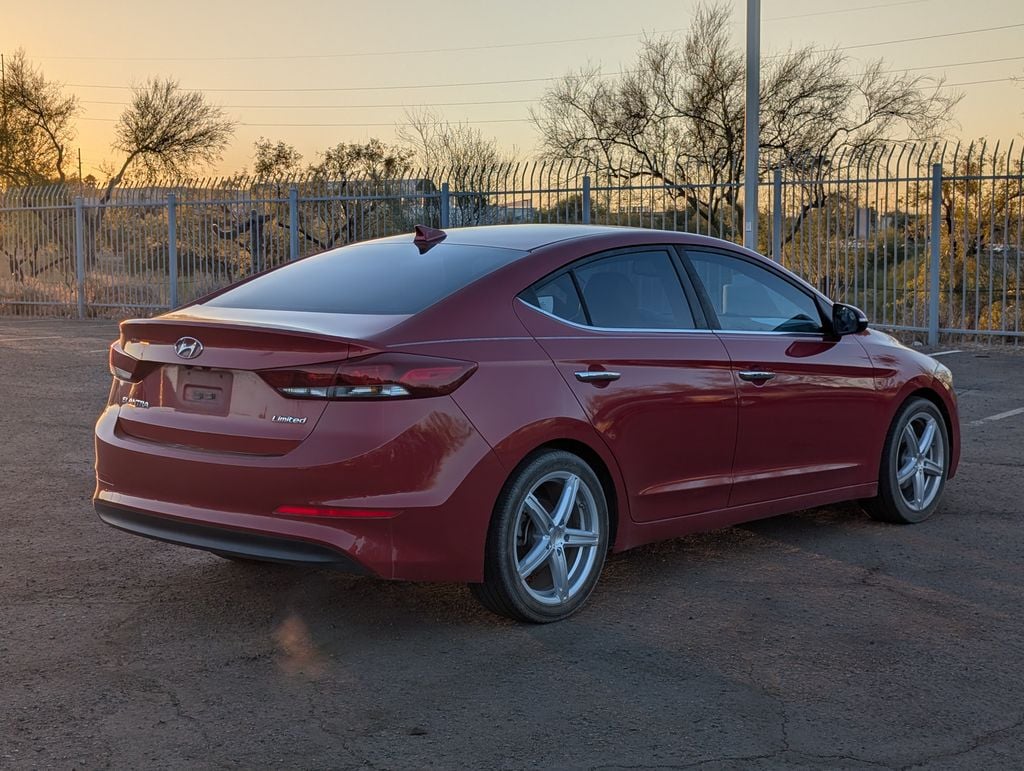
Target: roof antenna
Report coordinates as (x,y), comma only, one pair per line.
(426,237)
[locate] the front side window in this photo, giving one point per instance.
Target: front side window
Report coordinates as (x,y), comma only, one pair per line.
(749,298)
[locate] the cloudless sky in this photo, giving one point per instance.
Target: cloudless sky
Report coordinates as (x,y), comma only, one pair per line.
(100,48)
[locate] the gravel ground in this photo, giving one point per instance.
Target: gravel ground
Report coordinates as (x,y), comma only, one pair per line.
(819,639)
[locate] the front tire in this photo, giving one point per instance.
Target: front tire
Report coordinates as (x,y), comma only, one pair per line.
(915,462)
(547,541)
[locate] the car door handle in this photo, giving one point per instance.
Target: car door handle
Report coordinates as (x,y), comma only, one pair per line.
(597,376)
(756,375)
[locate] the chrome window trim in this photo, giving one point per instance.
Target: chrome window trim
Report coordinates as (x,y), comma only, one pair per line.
(619,330)
(768,332)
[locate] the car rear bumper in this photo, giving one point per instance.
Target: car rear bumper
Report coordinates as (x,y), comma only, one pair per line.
(422,469)
(227,541)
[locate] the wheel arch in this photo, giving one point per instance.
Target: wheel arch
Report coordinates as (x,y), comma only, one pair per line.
(585,444)
(932,396)
(604,476)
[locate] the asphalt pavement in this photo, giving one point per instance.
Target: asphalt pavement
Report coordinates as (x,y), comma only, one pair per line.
(815,640)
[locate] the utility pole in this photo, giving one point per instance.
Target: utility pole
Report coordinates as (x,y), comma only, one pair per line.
(5,141)
(3,92)
(752,124)
(79,165)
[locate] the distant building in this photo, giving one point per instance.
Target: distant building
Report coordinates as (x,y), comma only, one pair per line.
(521,210)
(865,222)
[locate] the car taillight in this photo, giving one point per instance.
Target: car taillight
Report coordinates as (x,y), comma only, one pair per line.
(125,367)
(378,376)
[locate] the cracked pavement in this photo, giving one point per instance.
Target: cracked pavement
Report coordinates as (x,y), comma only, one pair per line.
(819,639)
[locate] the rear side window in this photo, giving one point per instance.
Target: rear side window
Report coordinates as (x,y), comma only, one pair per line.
(559,298)
(639,290)
(628,290)
(371,278)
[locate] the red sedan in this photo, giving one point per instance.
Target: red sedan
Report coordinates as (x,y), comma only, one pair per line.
(501,406)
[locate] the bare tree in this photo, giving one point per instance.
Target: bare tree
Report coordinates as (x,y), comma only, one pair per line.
(677,115)
(373,161)
(439,144)
(462,154)
(167,131)
(359,173)
(349,185)
(275,159)
(36,126)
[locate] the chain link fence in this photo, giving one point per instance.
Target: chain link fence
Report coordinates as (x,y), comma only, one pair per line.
(925,238)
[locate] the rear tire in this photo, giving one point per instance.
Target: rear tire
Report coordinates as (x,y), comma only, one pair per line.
(547,541)
(915,462)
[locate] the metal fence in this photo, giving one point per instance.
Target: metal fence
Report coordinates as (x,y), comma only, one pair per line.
(925,238)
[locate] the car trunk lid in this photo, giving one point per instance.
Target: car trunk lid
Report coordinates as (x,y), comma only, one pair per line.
(196,384)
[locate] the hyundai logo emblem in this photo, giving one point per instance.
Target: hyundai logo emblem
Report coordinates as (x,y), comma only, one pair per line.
(188,347)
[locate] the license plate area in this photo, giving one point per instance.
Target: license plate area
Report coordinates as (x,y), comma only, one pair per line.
(205,390)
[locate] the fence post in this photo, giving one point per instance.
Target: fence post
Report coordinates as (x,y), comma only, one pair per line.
(936,239)
(172,247)
(293,222)
(80,254)
(445,204)
(255,240)
(586,199)
(777,215)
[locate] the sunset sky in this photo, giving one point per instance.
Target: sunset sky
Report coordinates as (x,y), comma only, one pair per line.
(360,63)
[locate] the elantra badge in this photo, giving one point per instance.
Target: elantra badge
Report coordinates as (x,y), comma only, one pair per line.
(188,347)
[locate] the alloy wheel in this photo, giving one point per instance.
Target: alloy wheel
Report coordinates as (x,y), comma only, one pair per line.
(557,533)
(920,461)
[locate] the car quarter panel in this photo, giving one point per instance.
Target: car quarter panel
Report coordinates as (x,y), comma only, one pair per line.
(518,402)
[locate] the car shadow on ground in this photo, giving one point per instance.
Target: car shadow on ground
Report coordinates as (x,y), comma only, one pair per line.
(802,561)
(325,597)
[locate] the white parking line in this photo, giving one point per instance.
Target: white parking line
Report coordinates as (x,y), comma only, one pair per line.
(19,339)
(944,353)
(998,416)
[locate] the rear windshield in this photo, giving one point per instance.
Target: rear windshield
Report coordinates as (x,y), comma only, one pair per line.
(370,278)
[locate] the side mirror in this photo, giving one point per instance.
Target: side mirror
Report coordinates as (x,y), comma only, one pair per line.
(848,320)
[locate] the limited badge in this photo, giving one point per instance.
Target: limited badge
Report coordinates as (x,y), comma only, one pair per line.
(287,419)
